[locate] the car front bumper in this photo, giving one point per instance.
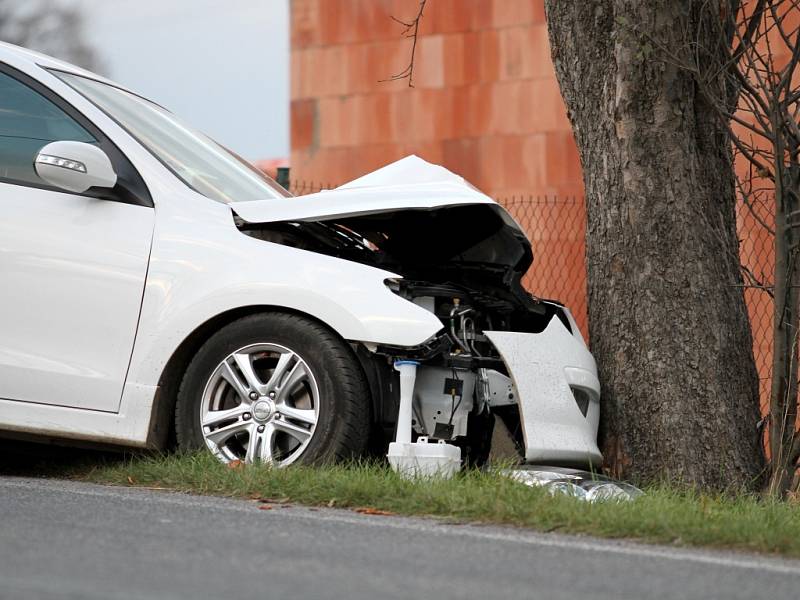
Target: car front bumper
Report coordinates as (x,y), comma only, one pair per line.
(557,391)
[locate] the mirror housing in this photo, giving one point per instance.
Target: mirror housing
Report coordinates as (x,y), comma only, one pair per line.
(74,166)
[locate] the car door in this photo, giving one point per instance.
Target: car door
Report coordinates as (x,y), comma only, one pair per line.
(72,266)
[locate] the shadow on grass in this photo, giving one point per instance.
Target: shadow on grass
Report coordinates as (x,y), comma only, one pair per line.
(31,459)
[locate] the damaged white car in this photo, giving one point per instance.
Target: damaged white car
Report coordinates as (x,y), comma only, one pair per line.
(153,282)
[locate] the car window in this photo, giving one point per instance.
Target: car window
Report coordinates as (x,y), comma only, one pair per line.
(29,121)
(197,160)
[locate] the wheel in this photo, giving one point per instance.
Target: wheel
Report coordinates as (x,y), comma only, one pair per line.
(274,388)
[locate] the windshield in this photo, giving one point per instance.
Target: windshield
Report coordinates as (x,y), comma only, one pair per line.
(200,162)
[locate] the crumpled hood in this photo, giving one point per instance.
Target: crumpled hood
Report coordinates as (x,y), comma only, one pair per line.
(415,212)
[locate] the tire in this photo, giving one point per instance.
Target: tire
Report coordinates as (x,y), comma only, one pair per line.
(274,387)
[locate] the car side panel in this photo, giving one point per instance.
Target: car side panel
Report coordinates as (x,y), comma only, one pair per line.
(204,266)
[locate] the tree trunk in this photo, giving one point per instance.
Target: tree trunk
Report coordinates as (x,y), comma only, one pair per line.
(667,318)
(783,404)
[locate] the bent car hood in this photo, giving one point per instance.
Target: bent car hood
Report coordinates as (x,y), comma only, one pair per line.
(415,212)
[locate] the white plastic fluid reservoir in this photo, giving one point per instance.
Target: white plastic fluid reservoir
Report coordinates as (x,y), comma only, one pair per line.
(421,459)
(408,375)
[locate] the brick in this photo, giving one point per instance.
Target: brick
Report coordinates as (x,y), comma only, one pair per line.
(335,22)
(459,112)
(479,108)
(533,171)
(488,55)
(550,105)
(373,21)
(425,112)
(538,48)
(304,121)
(506,13)
(525,53)
(371,119)
(304,23)
(295,60)
(507,103)
(541,107)
(448,104)
(509,12)
(489,174)
(563,162)
(401,115)
(302,75)
(450,16)
(387,59)
(537,11)
(461,58)
(429,62)
(510,161)
(333,117)
(461,156)
(513,51)
(359,79)
(330,71)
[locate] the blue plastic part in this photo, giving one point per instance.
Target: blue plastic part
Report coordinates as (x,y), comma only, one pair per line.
(405,362)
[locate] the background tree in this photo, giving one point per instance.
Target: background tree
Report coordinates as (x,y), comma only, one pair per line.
(49,26)
(754,50)
(667,316)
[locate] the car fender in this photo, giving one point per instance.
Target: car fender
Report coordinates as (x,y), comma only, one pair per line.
(196,277)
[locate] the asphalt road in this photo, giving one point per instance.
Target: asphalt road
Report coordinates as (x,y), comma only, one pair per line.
(72,540)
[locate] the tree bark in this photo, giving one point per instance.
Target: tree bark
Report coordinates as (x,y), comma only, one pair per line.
(667,319)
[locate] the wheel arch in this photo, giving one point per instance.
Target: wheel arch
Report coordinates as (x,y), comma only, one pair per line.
(162,419)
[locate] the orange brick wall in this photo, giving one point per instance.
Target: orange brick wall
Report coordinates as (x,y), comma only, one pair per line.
(485,104)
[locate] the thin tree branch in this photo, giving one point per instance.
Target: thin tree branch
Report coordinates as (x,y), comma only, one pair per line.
(411,31)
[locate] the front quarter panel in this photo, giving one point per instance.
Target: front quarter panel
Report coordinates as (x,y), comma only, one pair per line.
(203,266)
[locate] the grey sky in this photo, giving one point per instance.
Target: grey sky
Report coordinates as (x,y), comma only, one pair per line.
(223,66)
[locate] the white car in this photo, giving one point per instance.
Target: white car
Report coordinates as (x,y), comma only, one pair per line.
(152,282)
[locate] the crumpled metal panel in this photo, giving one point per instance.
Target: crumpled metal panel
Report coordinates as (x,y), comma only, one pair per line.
(543,366)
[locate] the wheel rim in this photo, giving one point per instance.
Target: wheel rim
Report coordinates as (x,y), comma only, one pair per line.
(261,404)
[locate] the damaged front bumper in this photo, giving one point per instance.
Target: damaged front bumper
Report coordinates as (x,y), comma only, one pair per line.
(557,391)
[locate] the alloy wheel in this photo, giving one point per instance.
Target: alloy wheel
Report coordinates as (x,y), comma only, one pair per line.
(260,404)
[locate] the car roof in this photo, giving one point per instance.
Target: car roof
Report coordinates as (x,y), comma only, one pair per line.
(15,55)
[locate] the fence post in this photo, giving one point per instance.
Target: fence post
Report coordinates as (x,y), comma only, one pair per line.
(282,177)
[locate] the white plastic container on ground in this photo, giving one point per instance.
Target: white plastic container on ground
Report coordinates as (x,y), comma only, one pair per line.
(418,459)
(423,459)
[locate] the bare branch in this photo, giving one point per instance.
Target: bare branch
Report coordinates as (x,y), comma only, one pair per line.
(411,31)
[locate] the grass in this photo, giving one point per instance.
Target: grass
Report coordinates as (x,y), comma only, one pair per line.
(662,515)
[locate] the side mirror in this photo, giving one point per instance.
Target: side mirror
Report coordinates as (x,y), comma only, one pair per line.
(74,166)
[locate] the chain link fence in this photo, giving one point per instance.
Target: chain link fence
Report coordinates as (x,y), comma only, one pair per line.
(556,227)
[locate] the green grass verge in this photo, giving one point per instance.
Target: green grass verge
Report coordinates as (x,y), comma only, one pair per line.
(662,515)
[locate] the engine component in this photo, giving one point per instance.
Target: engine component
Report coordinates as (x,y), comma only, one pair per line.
(443,399)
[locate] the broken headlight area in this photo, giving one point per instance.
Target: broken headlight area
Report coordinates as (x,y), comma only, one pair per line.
(582,485)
